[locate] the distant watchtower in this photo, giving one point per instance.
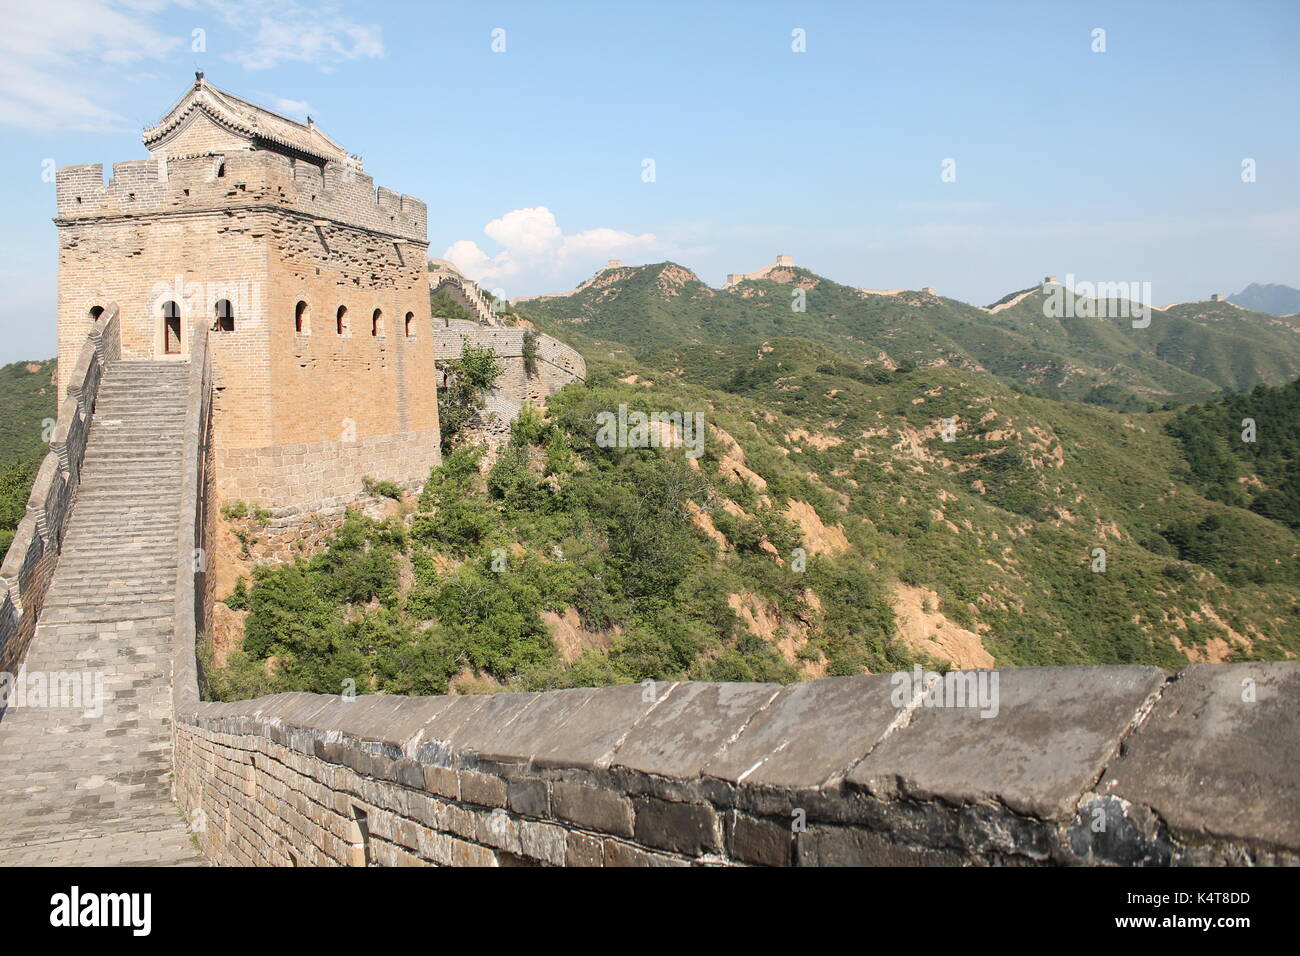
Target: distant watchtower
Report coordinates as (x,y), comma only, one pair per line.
(311,280)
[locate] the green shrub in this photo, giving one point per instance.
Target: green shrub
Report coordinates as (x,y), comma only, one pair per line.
(238,597)
(381,489)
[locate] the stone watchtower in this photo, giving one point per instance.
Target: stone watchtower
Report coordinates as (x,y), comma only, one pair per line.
(312,282)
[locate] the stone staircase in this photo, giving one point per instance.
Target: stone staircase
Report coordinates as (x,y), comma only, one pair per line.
(78,787)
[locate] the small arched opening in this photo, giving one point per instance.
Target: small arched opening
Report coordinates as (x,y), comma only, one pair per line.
(96,312)
(341,320)
(410,324)
(377,322)
(300,318)
(171,330)
(225,316)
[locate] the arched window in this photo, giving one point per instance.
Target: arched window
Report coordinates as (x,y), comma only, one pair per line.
(377,323)
(410,324)
(96,311)
(300,316)
(171,317)
(225,316)
(341,319)
(221,169)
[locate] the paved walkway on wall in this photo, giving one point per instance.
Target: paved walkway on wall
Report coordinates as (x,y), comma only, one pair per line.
(88,785)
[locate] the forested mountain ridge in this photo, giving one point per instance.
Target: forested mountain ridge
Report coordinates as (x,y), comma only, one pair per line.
(1189,352)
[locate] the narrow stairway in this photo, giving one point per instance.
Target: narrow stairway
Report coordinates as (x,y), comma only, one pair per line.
(76,786)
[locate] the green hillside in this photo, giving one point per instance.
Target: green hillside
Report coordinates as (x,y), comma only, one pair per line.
(26,401)
(567,563)
(1245,450)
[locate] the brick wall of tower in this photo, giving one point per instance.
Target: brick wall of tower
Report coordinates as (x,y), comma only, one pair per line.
(299,419)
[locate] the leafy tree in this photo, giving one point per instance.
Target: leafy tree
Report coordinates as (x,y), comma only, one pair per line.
(461,400)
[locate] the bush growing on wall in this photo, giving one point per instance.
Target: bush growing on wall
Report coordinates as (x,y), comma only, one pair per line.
(469,379)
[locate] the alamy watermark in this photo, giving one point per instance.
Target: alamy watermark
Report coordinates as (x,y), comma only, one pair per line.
(1099,300)
(74,690)
(636,429)
(219,299)
(977,690)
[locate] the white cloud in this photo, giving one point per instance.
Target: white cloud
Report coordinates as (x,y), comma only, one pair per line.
(298,109)
(289,31)
(536,256)
(47,50)
(62,60)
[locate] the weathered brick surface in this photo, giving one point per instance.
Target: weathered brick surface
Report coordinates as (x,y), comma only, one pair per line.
(566,783)
(593,808)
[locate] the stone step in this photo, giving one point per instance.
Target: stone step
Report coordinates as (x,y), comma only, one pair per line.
(123,521)
(136,490)
(122,570)
(134,412)
(126,560)
(137,482)
(148,429)
(127,397)
(157,369)
(132,397)
(107,614)
(110,440)
(159,456)
(113,539)
(137,468)
(122,502)
(117,514)
(107,413)
(161,474)
(103,539)
(120,386)
(133,471)
(110,590)
(72,598)
(147,424)
(132,488)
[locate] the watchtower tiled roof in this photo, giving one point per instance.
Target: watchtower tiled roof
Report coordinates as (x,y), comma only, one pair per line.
(262,128)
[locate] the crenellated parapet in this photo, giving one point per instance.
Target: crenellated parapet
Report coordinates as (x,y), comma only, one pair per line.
(240,180)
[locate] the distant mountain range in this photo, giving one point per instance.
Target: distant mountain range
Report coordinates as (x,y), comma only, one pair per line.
(1190,352)
(1265,297)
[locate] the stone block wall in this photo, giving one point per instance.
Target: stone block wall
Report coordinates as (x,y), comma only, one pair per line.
(1078,765)
(557,364)
(323,477)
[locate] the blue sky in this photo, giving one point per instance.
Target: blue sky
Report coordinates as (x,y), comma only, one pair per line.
(1119,165)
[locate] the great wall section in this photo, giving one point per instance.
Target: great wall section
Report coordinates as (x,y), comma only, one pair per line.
(168,413)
